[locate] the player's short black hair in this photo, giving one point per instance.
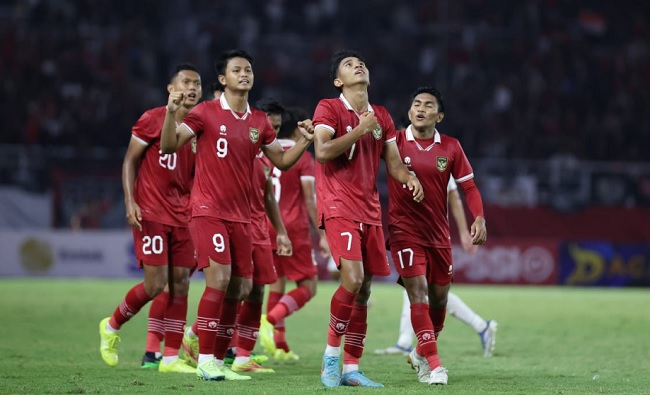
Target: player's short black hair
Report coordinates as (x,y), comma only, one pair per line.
(270,106)
(216,86)
(290,119)
(222,61)
(181,67)
(433,92)
(338,57)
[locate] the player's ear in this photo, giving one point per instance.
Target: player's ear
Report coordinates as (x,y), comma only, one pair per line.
(222,79)
(440,117)
(170,88)
(338,83)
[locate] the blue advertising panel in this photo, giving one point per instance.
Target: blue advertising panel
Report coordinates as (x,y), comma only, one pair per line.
(604,264)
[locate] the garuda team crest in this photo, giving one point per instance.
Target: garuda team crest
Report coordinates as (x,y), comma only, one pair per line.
(441,163)
(377,132)
(253,134)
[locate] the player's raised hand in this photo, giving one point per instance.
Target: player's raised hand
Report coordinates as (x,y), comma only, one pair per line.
(307,129)
(478,231)
(284,245)
(368,121)
(414,185)
(133,215)
(175,100)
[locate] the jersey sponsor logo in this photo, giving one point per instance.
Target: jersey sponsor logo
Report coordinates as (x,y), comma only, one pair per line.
(441,163)
(254,135)
(407,161)
(222,129)
(377,132)
(348,129)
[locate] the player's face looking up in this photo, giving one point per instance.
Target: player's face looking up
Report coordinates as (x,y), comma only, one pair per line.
(188,82)
(423,113)
(239,75)
(352,71)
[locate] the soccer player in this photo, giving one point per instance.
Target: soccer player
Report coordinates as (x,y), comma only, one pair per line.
(229,134)
(158,207)
(350,137)
(419,233)
(294,190)
(486,329)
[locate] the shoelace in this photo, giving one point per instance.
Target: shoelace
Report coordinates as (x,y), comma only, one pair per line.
(112,342)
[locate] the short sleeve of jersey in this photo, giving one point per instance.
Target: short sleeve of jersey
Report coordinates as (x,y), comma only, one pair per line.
(324,115)
(143,130)
(268,133)
(194,120)
(462,170)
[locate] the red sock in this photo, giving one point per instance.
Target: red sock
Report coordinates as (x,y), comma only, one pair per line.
(174,325)
(279,337)
(423,329)
(274,298)
(226,327)
(340,311)
(437,315)
(195,328)
(134,300)
(208,318)
(248,326)
(156,322)
(289,303)
(355,336)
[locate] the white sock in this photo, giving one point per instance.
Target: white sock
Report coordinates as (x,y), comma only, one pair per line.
(205,357)
(110,329)
(349,368)
(190,333)
(168,360)
(332,351)
(219,362)
(239,360)
(457,308)
(405,327)
(158,355)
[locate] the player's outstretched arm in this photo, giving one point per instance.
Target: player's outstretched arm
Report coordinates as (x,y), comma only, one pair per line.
(282,159)
(173,137)
(478,230)
(398,171)
(129,169)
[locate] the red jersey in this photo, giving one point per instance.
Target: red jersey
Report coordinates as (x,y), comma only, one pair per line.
(164,181)
(226,146)
(259,221)
(433,162)
(345,186)
(287,187)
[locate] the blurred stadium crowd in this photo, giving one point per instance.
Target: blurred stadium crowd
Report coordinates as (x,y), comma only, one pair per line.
(522,79)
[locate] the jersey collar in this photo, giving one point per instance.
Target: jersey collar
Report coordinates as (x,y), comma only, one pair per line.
(347,105)
(226,106)
(410,137)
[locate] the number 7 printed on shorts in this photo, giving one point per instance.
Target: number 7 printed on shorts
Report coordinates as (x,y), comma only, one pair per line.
(349,235)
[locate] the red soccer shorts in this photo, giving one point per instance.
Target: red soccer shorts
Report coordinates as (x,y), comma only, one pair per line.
(299,266)
(413,260)
(356,241)
(224,242)
(263,269)
(159,245)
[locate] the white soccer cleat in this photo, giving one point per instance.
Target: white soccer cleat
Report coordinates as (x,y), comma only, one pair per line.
(420,365)
(438,376)
(489,338)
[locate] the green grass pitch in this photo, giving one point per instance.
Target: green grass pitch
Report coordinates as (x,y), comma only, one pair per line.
(550,341)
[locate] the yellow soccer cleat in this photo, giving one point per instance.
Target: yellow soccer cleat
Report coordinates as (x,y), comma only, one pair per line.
(178,366)
(281,355)
(266,336)
(230,375)
(108,343)
(250,367)
(190,347)
(209,370)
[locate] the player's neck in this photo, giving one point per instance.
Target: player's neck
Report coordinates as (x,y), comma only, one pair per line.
(238,101)
(423,133)
(357,96)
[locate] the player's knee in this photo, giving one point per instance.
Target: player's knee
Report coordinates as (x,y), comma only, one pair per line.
(181,286)
(153,288)
(256,294)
